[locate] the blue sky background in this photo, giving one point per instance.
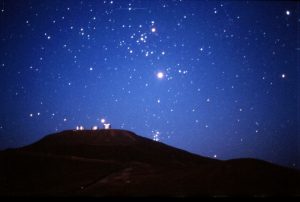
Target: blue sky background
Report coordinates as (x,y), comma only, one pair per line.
(229,73)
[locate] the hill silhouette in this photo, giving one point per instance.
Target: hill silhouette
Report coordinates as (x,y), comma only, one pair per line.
(121,163)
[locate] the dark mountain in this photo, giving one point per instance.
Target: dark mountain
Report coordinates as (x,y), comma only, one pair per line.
(121,163)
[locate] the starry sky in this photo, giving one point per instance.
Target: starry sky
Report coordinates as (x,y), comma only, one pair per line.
(216,78)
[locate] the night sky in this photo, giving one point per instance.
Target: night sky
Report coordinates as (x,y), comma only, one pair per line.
(216,78)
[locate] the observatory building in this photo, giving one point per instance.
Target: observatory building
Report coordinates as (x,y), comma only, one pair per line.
(95,128)
(107,126)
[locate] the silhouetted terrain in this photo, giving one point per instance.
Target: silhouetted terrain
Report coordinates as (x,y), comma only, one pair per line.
(121,163)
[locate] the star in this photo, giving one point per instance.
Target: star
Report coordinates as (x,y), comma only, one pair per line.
(166,73)
(160,75)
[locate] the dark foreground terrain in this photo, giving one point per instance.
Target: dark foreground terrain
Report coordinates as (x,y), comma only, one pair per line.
(121,163)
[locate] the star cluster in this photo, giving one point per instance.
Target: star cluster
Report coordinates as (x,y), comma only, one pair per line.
(214,78)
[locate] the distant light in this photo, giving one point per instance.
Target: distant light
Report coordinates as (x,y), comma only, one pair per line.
(79,128)
(287,12)
(283,76)
(153,29)
(65,119)
(102,120)
(107,126)
(160,75)
(31,115)
(215,156)
(95,128)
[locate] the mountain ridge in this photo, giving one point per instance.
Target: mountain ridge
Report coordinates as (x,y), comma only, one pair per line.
(121,163)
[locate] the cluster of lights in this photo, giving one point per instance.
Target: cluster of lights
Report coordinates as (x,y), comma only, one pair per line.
(79,128)
(103,121)
(156,135)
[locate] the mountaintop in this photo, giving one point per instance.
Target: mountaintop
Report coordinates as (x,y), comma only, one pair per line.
(121,163)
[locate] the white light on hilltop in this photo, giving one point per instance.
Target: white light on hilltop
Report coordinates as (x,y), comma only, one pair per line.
(79,128)
(102,120)
(160,75)
(107,126)
(95,128)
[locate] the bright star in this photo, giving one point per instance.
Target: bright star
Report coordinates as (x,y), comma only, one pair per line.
(160,75)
